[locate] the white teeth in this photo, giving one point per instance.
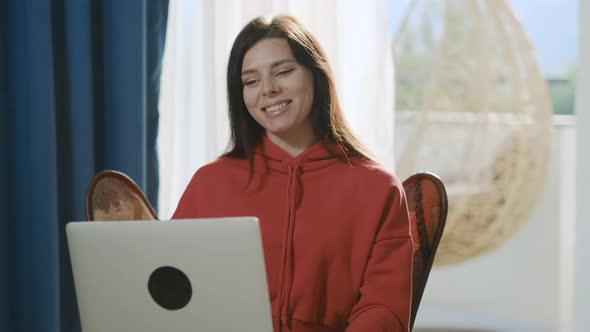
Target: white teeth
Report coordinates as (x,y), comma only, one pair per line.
(275,107)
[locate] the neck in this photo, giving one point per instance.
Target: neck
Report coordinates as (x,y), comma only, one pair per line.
(294,144)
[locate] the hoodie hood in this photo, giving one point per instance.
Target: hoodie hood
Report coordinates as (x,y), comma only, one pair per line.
(270,157)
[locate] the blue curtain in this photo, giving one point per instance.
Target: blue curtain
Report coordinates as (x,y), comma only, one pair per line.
(79,83)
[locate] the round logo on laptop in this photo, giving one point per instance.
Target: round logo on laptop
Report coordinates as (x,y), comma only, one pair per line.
(170,288)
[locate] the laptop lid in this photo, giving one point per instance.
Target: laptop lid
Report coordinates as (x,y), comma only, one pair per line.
(181,275)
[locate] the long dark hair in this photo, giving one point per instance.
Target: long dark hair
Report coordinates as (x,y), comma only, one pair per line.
(326,115)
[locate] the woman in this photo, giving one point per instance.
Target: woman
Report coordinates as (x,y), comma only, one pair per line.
(335,226)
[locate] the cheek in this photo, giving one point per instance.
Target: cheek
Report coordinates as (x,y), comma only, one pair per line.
(310,97)
(307,92)
(249,98)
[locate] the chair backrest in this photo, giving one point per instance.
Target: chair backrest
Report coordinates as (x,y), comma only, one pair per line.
(113,196)
(427,202)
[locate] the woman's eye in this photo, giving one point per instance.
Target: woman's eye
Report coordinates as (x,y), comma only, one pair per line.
(284,72)
(250,82)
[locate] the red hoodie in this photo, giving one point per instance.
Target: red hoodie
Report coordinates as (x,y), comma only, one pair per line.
(336,236)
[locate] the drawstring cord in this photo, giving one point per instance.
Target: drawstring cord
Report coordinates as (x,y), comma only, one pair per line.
(286,281)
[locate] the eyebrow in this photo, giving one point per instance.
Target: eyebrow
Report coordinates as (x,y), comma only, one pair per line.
(273,65)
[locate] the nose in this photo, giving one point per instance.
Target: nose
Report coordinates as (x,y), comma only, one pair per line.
(269,87)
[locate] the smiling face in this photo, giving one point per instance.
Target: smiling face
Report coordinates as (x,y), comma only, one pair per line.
(278,91)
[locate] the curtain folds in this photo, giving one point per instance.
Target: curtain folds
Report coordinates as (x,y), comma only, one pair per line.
(79,83)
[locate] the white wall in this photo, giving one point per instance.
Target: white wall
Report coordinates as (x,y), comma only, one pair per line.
(582,257)
(522,286)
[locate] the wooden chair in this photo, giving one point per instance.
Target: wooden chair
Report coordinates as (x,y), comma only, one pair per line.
(427,202)
(113,196)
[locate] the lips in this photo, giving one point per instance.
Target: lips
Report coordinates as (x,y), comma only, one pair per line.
(276,106)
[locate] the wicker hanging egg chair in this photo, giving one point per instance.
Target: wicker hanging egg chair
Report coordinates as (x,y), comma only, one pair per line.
(472,106)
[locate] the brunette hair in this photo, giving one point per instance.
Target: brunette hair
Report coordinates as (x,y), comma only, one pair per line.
(326,115)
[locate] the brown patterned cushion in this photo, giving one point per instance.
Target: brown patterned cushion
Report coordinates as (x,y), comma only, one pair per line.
(427,202)
(113,196)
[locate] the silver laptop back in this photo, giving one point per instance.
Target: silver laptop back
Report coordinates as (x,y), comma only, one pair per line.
(181,275)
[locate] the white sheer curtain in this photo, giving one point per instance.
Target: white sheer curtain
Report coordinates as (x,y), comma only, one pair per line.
(193,109)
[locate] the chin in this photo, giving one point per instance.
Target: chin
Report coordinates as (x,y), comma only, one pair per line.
(278,129)
(279,132)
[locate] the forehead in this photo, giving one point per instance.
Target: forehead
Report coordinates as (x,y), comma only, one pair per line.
(265,52)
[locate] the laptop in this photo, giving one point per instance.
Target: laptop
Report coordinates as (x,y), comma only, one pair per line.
(182,275)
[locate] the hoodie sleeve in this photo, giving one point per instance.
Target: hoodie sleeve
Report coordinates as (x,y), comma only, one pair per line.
(187,206)
(385,295)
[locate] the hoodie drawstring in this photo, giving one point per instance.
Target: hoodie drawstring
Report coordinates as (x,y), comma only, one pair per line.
(286,276)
